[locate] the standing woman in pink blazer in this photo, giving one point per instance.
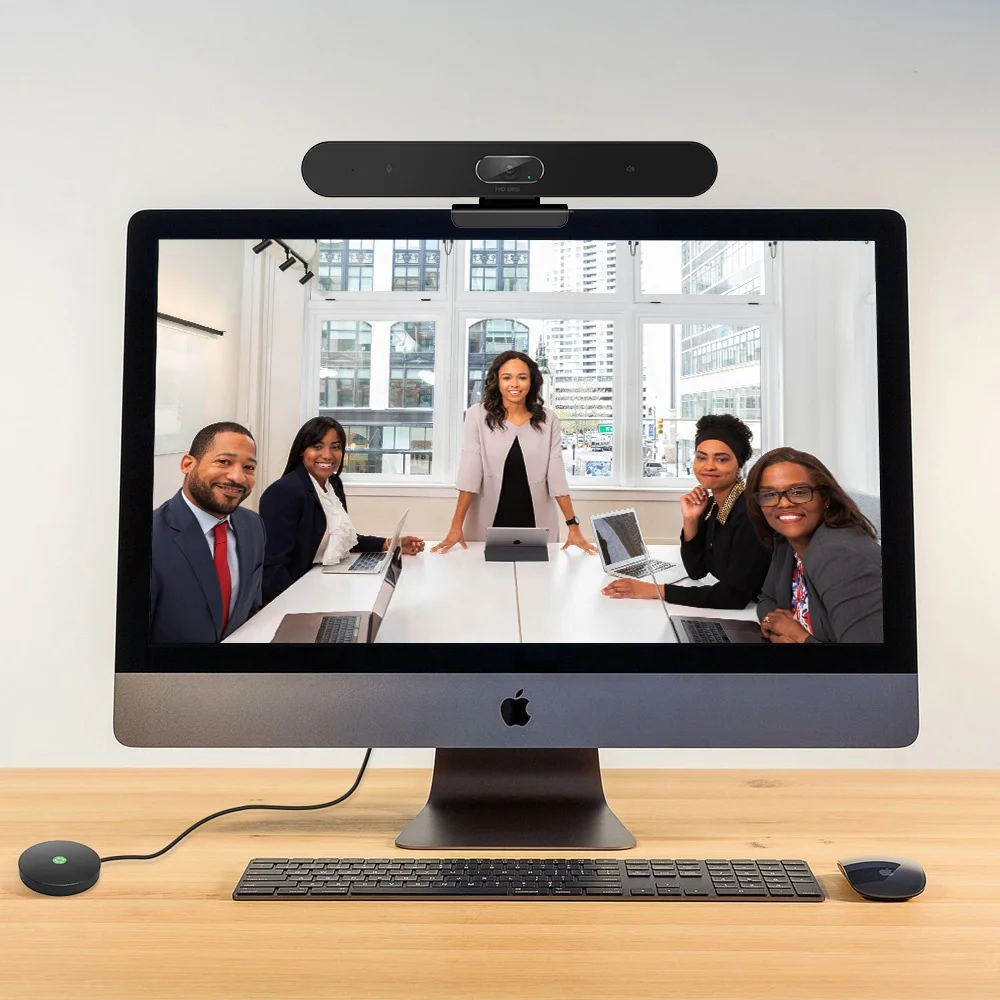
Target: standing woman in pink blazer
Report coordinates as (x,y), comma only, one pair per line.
(512,468)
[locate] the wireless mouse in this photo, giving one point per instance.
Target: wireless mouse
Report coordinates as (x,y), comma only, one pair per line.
(888,880)
(59,867)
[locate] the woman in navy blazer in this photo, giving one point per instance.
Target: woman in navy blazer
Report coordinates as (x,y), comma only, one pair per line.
(293,515)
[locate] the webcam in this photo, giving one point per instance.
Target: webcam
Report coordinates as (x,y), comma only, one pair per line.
(509,178)
(510,169)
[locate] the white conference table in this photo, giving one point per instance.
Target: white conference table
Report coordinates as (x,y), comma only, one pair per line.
(458,596)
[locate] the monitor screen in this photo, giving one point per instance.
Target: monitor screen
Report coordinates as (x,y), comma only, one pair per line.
(619,537)
(729,387)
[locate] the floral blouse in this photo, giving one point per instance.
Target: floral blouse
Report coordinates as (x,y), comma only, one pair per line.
(800,595)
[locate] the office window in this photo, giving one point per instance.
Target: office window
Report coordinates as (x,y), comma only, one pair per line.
(398,447)
(371,372)
(346,265)
(416,265)
(350,267)
(570,266)
(499,265)
(344,386)
(411,365)
(345,359)
(716,347)
(703,267)
(679,386)
(340,337)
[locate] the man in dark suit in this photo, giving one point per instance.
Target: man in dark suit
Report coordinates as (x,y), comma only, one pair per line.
(208,554)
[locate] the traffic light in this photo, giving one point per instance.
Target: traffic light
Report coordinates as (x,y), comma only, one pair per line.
(659,426)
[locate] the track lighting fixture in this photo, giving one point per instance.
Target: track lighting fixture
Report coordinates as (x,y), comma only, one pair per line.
(292,257)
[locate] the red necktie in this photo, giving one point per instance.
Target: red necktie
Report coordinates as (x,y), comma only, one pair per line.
(222,568)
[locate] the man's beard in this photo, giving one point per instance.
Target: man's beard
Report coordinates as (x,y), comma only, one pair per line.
(208,500)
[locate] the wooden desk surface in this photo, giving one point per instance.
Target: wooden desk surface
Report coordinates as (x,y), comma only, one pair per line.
(168,928)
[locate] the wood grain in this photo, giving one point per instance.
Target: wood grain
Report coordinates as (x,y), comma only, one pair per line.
(168,927)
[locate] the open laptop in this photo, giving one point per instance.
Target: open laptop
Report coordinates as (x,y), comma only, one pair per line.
(368,562)
(622,547)
(710,629)
(344,626)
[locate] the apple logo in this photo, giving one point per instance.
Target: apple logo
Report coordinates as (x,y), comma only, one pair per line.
(514,711)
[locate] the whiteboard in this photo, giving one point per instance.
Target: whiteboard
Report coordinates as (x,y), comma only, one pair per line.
(184,360)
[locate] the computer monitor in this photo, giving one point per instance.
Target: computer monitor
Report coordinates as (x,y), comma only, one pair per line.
(641,321)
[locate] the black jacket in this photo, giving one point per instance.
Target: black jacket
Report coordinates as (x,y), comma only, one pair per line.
(294,523)
(732,553)
(843,571)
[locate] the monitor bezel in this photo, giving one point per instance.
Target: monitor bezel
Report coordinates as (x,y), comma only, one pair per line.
(134,653)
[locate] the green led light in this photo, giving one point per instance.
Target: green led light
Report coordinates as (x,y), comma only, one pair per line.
(58,860)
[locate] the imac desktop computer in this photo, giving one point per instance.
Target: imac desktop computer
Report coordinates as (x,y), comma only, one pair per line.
(244,327)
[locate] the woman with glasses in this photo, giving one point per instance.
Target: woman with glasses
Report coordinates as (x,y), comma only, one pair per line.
(305,511)
(825,579)
(716,536)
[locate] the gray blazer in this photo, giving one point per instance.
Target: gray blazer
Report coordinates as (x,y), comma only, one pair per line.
(843,571)
(480,470)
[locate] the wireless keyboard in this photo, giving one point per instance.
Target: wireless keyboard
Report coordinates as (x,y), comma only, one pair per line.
(763,881)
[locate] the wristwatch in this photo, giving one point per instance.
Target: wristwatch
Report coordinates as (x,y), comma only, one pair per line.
(572,521)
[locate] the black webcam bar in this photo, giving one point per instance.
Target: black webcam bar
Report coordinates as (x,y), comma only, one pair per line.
(505,172)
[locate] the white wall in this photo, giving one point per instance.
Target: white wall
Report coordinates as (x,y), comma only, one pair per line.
(829,378)
(202,281)
(856,104)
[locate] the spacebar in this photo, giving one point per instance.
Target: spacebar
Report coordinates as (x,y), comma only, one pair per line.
(433,890)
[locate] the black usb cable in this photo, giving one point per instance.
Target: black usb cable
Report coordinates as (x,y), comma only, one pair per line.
(234,809)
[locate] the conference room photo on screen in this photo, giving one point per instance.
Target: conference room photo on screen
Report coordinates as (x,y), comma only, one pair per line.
(515,440)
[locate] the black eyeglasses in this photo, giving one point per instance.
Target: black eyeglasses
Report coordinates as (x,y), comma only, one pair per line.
(797,494)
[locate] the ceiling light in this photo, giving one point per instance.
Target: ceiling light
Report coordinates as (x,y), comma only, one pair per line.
(287,262)
(306,278)
(262,246)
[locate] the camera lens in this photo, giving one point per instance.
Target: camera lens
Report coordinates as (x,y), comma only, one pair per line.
(506,169)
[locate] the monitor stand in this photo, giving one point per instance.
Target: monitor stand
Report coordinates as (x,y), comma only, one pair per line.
(536,799)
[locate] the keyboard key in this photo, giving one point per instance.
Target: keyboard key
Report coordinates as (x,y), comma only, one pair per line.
(805,890)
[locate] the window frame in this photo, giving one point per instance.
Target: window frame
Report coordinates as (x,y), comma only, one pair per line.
(453,307)
(769,298)
(387,296)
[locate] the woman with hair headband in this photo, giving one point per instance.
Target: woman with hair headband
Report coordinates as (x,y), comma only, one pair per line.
(512,466)
(716,536)
(824,583)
